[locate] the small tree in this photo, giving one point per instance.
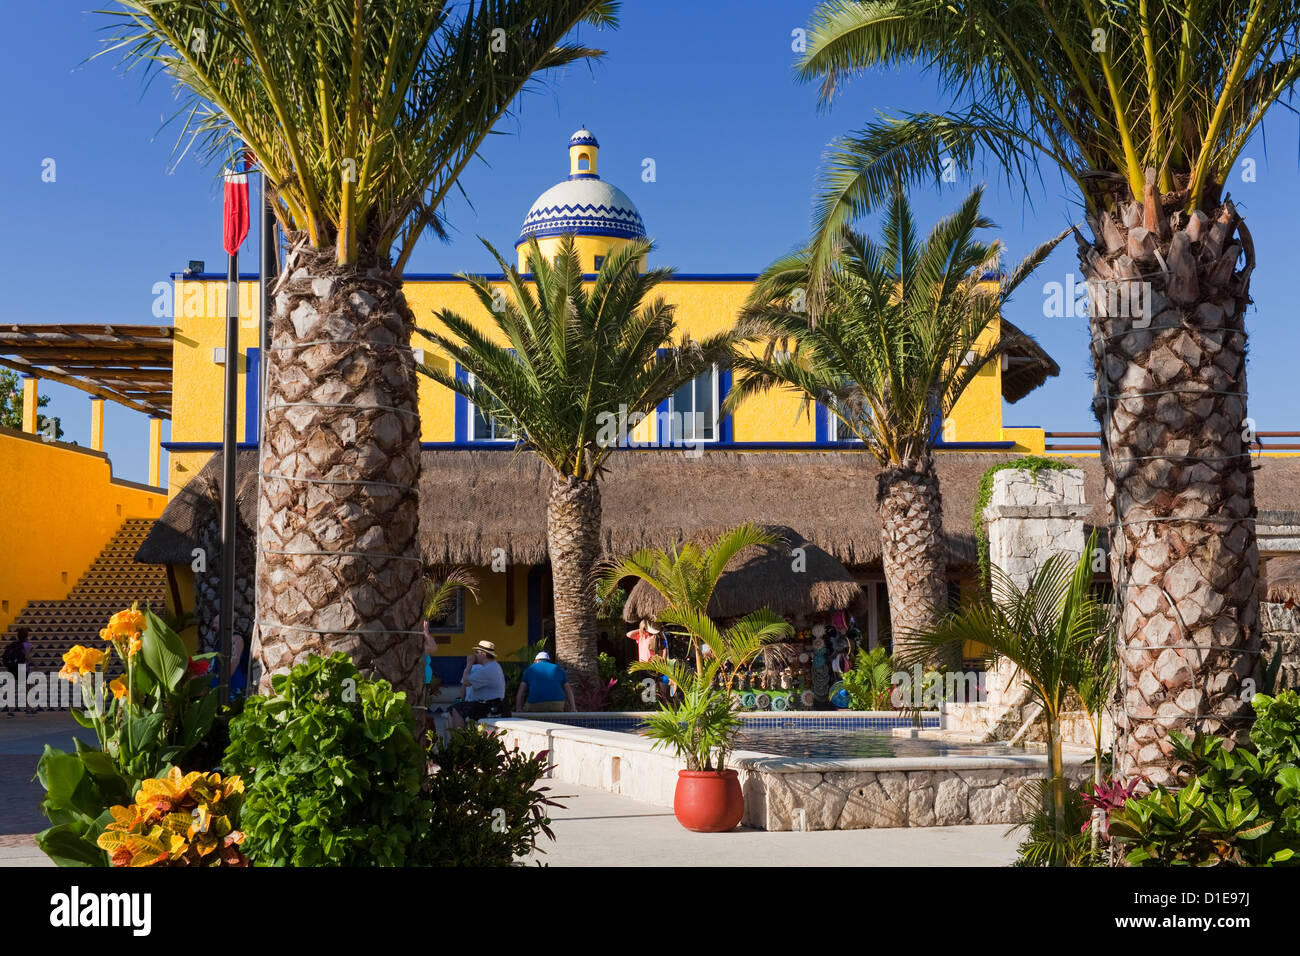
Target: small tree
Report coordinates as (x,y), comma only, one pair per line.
(1050,631)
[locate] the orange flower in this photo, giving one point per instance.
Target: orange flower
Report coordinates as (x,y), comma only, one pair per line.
(81,660)
(128,623)
(118,687)
(134,646)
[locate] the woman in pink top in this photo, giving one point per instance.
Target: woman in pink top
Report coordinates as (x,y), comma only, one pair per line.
(645,635)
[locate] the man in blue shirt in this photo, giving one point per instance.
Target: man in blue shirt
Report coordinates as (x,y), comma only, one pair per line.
(544,687)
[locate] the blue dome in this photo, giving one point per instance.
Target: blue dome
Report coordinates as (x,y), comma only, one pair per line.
(585,206)
(583,137)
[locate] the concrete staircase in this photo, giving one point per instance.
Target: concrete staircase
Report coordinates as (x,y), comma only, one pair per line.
(110,584)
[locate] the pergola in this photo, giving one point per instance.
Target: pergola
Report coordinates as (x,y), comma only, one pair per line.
(127,364)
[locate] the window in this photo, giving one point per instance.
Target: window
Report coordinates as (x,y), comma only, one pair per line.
(693,410)
(835,430)
(584,162)
(452,620)
(600,261)
(487,425)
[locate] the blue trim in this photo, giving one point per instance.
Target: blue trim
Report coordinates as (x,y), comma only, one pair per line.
(448,668)
(252,395)
(724,421)
(462,409)
(822,424)
(573,176)
(489,276)
(578,140)
(626,232)
(205,445)
(723,446)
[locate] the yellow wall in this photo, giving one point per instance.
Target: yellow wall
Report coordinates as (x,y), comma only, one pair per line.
(198,383)
(588,247)
(703,308)
(59,506)
(486,620)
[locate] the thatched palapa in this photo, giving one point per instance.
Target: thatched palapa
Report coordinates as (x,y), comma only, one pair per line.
(473,502)
(766,577)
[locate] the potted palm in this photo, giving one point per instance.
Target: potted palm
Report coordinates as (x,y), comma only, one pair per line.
(701,726)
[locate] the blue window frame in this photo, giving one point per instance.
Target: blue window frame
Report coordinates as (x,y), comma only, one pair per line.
(252,395)
(475,424)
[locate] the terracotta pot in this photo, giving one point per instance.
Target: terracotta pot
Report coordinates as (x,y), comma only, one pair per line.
(707,801)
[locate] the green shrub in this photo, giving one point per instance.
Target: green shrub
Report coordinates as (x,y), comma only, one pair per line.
(486,808)
(1236,807)
(871,681)
(333,770)
(628,693)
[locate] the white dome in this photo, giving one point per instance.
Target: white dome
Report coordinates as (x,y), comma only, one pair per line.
(585,205)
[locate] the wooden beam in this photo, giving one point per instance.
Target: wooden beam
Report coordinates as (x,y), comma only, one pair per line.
(55,375)
(94,353)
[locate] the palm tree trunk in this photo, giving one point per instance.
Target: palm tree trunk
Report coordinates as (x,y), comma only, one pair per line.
(913,550)
(573,542)
(1170,358)
(339,567)
(1056,766)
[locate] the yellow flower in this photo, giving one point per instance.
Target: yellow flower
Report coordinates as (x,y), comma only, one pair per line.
(134,646)
(128,623)
(104,635)
(81,660)
(118,687)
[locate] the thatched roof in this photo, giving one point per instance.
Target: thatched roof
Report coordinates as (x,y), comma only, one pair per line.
(761,577)
(175,534)
(1281,584)
(473,501)
(1028,366)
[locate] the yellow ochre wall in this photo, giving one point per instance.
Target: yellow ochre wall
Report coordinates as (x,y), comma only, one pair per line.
(704,306)
(486,620)
(198,383)
(59,506)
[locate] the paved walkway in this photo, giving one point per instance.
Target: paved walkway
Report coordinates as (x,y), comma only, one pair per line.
(601,829)
(593,829)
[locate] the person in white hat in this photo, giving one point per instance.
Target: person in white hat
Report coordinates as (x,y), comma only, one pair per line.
(544,687)
(485,686)
(646,636)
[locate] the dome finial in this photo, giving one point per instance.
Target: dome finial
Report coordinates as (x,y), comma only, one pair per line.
(583,150)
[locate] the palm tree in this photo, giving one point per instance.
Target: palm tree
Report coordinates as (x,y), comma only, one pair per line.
(1049,630)
(686,577)
(903,328)
(568,363)
(361,117)
(1146,107)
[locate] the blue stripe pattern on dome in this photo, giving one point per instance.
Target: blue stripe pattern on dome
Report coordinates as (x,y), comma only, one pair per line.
(583,218)
(583,138)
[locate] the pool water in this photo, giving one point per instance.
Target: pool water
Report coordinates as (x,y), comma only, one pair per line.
(849,744)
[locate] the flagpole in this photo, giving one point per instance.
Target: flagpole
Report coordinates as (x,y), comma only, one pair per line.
(234,229)
(228,452)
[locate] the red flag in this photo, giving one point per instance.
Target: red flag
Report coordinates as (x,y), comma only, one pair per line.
(235,217)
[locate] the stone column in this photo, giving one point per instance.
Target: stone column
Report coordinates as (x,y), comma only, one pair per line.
(1031,517)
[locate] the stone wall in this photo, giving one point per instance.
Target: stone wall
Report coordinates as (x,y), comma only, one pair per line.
(1282,635)
(992,791)
(799,794)
(601,759)
(1031,517)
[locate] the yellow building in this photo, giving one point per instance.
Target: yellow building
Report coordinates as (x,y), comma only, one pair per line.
(461,442)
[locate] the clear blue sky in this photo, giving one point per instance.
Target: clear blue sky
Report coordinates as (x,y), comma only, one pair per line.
(704,89)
